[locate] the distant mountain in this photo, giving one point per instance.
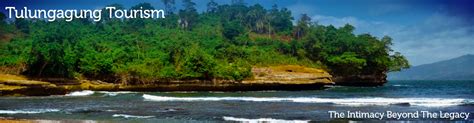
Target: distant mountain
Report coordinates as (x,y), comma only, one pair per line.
(460,68)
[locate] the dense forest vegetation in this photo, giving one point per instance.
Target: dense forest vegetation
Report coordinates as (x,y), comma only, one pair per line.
(224,42)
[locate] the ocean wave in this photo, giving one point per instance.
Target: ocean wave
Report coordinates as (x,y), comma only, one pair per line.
(131,116)
(340,101)
(81,93)
(115,93)
(260,120)
(30,111)
(167,110)
(397,85)
(84,110)
(106,93)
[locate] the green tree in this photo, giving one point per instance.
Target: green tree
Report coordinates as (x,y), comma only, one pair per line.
(232,29)
(14,57)
(281,20)
(53,53)
(3,24)
(398,62)
(256,19)
(302,26)
(188,16)
(22,25)
(198,64)
(2,18)
(347,64)
(138,23)
(223,45)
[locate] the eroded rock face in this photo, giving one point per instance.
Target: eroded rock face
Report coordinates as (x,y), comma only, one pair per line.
(289,74)
(285,77)
(11,85)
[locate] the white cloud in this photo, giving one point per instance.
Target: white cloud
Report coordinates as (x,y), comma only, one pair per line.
(439,37)
(387,9)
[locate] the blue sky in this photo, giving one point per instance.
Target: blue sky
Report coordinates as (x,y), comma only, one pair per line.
(425,31)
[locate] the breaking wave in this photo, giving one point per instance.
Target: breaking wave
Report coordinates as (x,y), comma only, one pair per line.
(31,111)
(130,116)
(106,93)
(339,101)
(81,93)
(111,93)
(260,120)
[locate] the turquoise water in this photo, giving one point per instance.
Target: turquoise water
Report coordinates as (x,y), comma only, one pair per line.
(301,106)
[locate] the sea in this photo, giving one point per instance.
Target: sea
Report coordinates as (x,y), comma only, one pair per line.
(402,99)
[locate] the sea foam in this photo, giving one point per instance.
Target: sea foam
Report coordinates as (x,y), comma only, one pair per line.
(115,93)
(81,93)
(339,101)
(131,116)
(30,111)
(260,120)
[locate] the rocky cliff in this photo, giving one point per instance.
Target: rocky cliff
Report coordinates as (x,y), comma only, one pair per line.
(286,77)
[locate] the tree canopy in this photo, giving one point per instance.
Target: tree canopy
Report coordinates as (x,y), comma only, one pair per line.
(224,42)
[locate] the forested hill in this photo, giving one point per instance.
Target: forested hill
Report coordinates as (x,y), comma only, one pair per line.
(224,42)
(460,68)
